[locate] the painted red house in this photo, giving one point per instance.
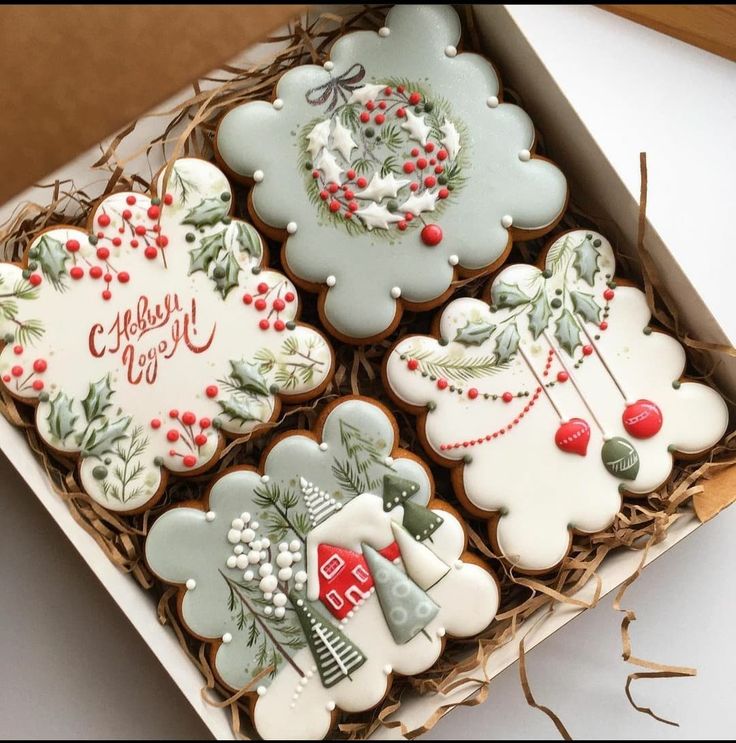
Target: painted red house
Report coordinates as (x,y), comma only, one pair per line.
(344,578)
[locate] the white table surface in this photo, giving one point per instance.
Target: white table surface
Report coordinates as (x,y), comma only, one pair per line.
(73,667)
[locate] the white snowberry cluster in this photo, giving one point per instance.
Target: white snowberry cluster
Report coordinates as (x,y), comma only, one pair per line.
(252,554)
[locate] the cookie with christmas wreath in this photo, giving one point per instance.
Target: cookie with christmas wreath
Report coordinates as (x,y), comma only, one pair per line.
(322,574)
(144,338)
(391,170)
(553,399)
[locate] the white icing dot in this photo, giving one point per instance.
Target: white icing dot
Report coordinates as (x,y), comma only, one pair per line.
(298,586)
(265,570)
(330,281)
(233,536)
(210,516)
(388,461)
(384,31)
(303,680)
(279,599)
(265,542)
(387,670)
(238,549)
(268,611)
(441,632)
(330,706)
(284,559)
(525,155)
(459,564)
(245,516)
(507,220)
(279,612)
(268,584)
(227,637)
(254,525)
(247,536)
(248,575)
(278,104)
(329,66)
(241,562)
(291,228)
(338,506)
(453,260)
(299,602)
(450,51)
(396,292)
(283,547)
(256,545)
(309,674)
(268,596)
(294,545)
(232,561)
(297,557)
(191,584)
(264,554)
(238,524)
(285,573)
(323,446)
(258,176)
(492,101)
(261,690)
(254,557)
(314,669)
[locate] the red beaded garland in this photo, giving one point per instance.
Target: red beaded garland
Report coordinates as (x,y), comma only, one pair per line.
(414,98)
(507,397)
(472,393)
(562,376)
(211,391)
(34,279)
(587,350)
(609,294)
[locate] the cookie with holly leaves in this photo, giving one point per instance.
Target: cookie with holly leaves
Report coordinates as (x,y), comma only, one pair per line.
(145,338)
(321,575)
(391,170)
(553,400)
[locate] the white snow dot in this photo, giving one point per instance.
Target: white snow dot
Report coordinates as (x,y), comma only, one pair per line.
(396,292)
(268,611)
(441,632)
(492,102)
(267,596)
(265,570)
(450,51)
(329,66)
(279,599)
(284,559)
(254,557)
(453,260)
(525,155)
(232,561)
(323,446)
(330,706)
(279,612)
(285,573)
(258,176)
(233,536)
(268,584)
(261,690)
(241,562)
(245,516)
(210,516)
(295,545)
(256,545)
(248,575)
(278,104)
(254,525)
(384,31)
(297,557)
(238,549)
(291,228)
(265,542)
(387,670)
(227,637)
(283,547)
(330,280)
(237,524)
(247,536)
(507,220)
(298,586)
(191,584)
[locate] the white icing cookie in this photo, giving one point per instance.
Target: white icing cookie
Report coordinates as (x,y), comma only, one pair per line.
(143,338)
(554,400)
(391,168)
(325,575)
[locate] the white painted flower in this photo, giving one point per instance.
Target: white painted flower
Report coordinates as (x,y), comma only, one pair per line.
(146,338)
(394,121)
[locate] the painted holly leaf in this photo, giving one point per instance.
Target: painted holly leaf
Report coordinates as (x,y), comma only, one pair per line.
(508,295)
(207,213)
(567,332)
(208,250)
(237,410)
(586,260)
(474,332)
(249,377)
(101,441)
(99,398)
(61,417)
(225,273)
(585,306)
(507,343)
(52,258)
(539,315)
(620,458)
(245,238)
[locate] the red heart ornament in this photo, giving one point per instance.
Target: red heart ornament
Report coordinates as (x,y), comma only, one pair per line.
(573,436)
(642,419)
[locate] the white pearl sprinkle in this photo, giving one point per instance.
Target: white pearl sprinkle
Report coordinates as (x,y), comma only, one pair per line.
(261,690)
(191,584)
(329,66)
(238,549)
(232,561)
(294,545)
(396,292)
(330,281)
(492,101)
(450,51)
(210,516)
(330,706)
(238,524)
(507,220)
(384,31)
(233,536)
(248,575)
(291,228)
(254,525)
(279,612)
(241,562)
(387,670)
(278,104)
(525,156)
(453,260)
(441,632)
(245,516)
(227,637)
(258,176)
(323,446)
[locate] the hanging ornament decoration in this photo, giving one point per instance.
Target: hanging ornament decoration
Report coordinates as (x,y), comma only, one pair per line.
(313,592)
(642,419)
(557,373)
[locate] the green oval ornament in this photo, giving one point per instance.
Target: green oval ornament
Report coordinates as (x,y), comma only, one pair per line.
(620,458)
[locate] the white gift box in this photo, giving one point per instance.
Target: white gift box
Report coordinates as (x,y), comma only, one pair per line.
(601,90)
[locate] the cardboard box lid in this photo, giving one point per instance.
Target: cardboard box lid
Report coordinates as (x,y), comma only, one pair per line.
(71,75)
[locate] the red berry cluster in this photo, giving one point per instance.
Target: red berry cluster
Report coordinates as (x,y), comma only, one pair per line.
(26,377)
(139,225)
(270,301)
(183,432)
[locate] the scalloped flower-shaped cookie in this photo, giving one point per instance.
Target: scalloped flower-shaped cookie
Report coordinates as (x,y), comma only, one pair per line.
(146,337)
(554,400)
(319,579)
(390,169)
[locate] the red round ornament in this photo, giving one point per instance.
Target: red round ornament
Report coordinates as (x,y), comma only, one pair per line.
(642,419)
(431,234)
